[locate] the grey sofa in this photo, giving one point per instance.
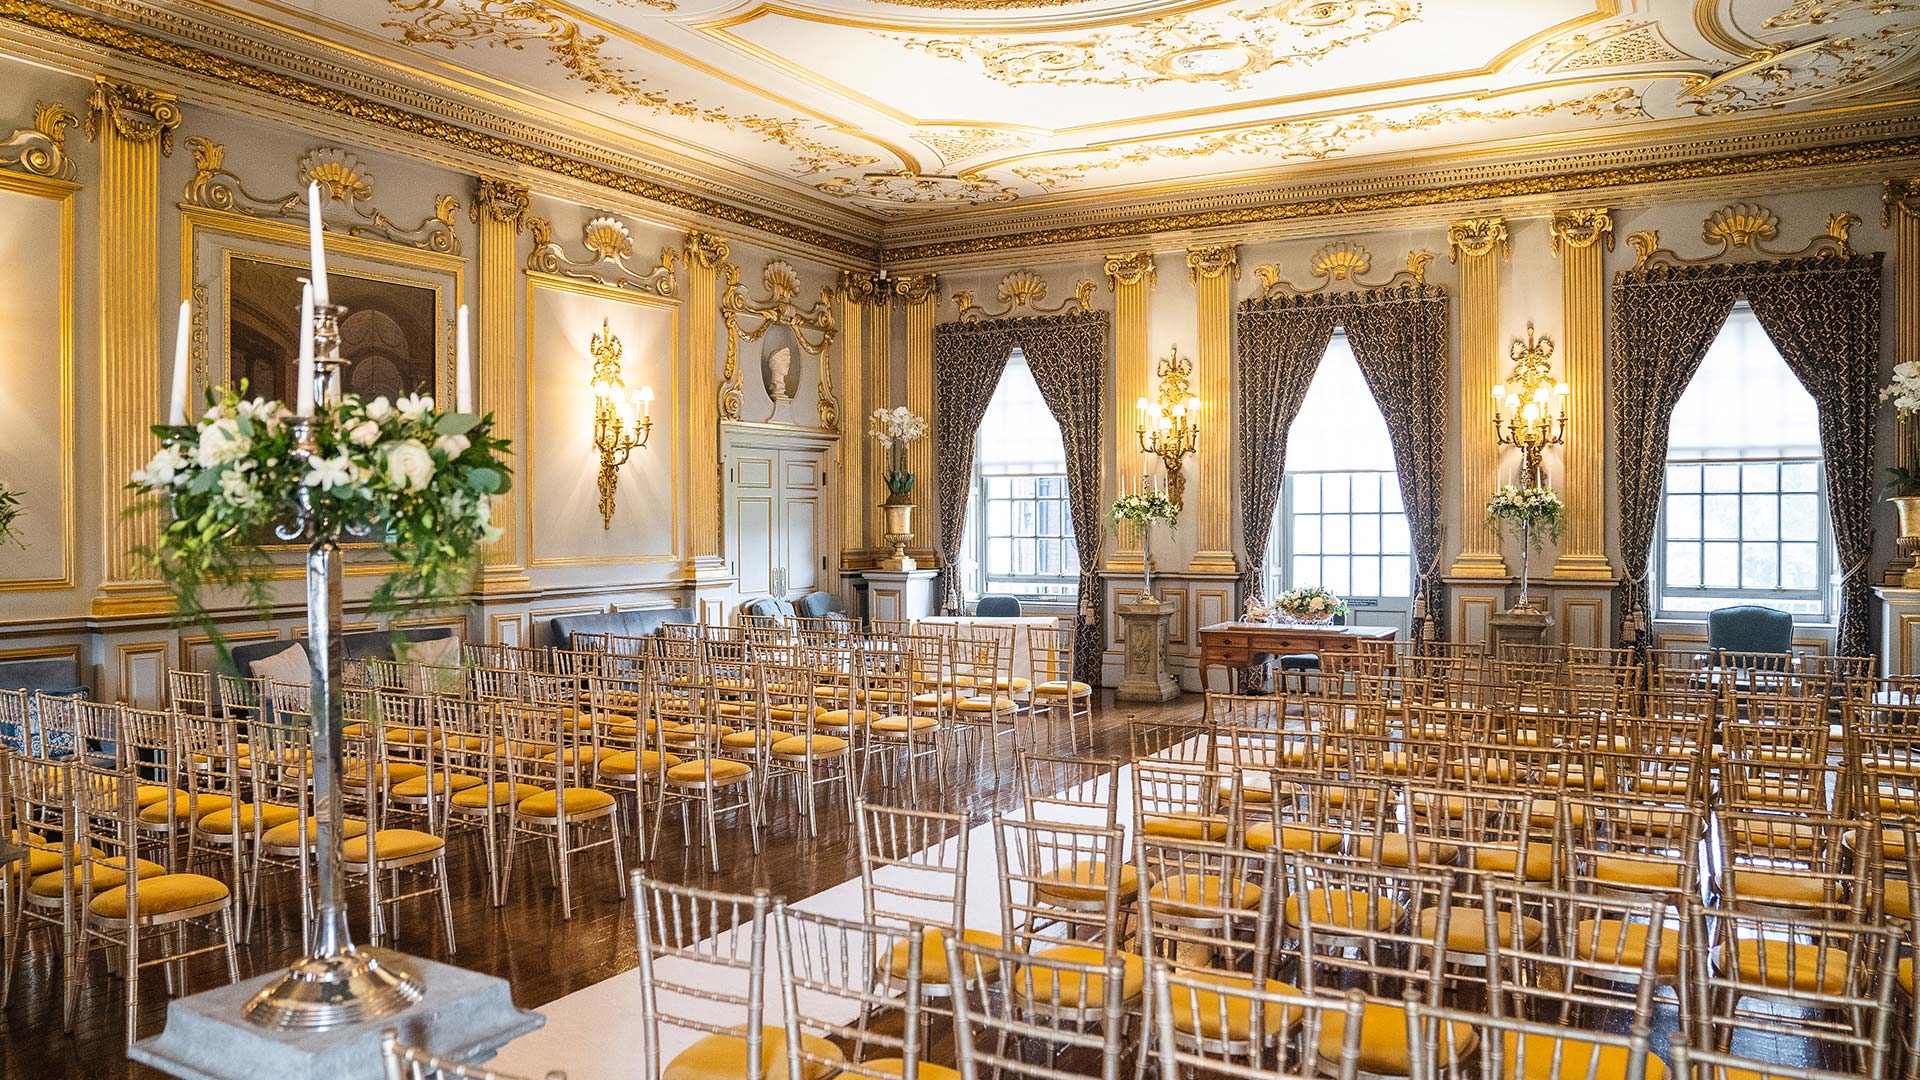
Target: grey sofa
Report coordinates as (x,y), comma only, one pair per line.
(633,622)
(769,607)
(361,643)
(55,675)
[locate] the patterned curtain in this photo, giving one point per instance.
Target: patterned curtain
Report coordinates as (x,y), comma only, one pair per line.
(1823,314)
(1069,359)
(1281,342)
(968,359)
(1402,341)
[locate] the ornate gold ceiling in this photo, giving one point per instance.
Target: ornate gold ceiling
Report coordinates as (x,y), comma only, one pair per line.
(896,113)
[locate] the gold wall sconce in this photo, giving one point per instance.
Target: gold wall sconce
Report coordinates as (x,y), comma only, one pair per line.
(1169,428)
(621,424)
(1536,405)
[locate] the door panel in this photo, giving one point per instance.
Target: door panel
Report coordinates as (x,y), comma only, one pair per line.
(774,519)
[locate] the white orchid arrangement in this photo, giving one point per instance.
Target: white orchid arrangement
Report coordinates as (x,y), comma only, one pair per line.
(9,512)
(421,479)
(896,429)
(1904,391)
(1536,508)
(1310,604)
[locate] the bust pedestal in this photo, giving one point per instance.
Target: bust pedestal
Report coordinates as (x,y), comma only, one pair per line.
(1520,626)
(1144,636)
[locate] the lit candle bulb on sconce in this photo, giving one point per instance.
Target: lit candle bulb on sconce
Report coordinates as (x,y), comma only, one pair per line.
(621,423)
(1535,405)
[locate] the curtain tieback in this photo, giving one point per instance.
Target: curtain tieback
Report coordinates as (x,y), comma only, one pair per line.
(1859,564)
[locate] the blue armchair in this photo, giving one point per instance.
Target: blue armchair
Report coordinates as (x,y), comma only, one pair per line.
(1749,628)
(998,607)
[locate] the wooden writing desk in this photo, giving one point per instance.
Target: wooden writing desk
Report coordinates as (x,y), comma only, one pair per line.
(1234,645)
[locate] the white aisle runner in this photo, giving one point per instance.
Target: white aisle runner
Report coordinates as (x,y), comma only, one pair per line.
(596,1033)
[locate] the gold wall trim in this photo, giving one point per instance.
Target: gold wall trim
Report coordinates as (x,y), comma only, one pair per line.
(1900,211)
(1023,291)
(61,191)
(1133,276)
(782,283)
(1745,227)
(609,244)
(1214,268)
(1479,245)
(342,178)
(1578,237)
(99,33)
(706,254)
(42,148)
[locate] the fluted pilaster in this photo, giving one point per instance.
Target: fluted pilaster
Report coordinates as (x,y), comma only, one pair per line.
(1581,237)
(1133,277)
(705,254)
(1213,268)
(1478,245)
(500,209)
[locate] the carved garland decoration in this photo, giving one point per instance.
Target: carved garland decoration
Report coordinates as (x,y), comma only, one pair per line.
(778,309)
(42,148)
(1131,269)
(135,113)
(1745,227)
(1581,228)
(1211,261)
(609,244)
(342,178)
(1475,237)
(1023,290)
(1343,261)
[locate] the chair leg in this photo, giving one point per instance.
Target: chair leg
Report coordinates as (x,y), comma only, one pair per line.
(564,857)
(713,836)
(233,957)
(446,903)
(133,983)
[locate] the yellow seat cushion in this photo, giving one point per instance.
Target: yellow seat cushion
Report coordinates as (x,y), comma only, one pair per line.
(930,700)
(1292,838)
(162,895)
(1531,1057)
(107,874)
(396,771)
(1777,886)
(1086,880)
(186,807)
(926,1070)
(417,787)
(391,844)
(1396,850)
(1896,900)
(1504,860)
(1202,893)
(1642,872)
(845,718)
(1075,990)
(271,814)
(801,745)
(1062,688)
(578,801)
(145,795)
(695,772)
(933,955)
(1613,941)
(504,794)
(1768,962)
(288,835)
(628,763)
(1185,828)
(740,740)
(893,725)
(993,704)
(1346,908)
(1239,1011)
(724,1057)
(1383,1040)
(1467,928)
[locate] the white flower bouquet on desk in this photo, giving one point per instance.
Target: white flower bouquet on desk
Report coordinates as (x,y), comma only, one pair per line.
(1311,604)
(421,480)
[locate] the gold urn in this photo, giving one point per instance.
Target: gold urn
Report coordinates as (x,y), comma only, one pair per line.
(899,532)
(1908,507)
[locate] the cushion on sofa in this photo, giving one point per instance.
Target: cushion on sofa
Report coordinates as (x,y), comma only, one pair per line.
(628,622)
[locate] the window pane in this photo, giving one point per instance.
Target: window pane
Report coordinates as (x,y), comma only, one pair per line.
(1683,478)
(1722,477)
(1800,476)
(1049,487)
(1023,559)
(999,518)
(999,487)
(1683,517)
(1366,577)
(1306,571)
(1396,576)
(1049,518)
(1759,517)
(1366,534)
(1722,517)
(1023,515)
(1334,492)
(1073,561)
(1306,493)
(1023,487)
(1306,534)
(1800,566)
(1800,517)
(1759,566)
(1333,535)
(1722,569)
(1683,566)
(1334,576)
(1050,558)
(1393,535)
(1390,494)
(1366,493)
(999,557)
(1761,476)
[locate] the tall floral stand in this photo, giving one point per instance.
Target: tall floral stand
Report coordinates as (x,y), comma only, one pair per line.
(1144,626)
(322,1018)
(1526,622)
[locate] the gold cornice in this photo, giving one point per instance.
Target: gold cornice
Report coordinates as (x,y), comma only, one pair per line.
(1899,196)
(1212,260)
(916,288)
(136,113)
(1475,237)
(1131,268)
(1581,227)
(98,33)
(505,201)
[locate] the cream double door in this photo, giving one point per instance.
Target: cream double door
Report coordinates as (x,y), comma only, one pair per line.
(776,518)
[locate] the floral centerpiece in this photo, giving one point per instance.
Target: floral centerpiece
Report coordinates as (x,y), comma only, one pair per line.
(1257,610)
(895,430)
(1903,481)
(10,511)
(1311,604)
(1143,508)
(1536,510)
(421,480)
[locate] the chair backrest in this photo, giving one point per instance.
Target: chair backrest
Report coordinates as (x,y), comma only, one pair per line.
(850,971)
(913,865)
(1379,930)
(1445,1039)
(998,607)
(1749,628)
(1028,1004)
(1072,789)
(1213,1005)
(1564,956)
(1209,904)
(703,958)
(1042,863)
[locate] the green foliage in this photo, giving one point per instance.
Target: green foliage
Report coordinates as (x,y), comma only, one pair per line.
(10,511)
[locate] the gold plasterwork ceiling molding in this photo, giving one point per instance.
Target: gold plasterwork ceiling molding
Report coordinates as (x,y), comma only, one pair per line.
(342,178)
(1023,292)
(609,244)
(1624,44)
(1744,230)
(1342,262)
(1211,46)
(748,319)
(42,148)
(891,192)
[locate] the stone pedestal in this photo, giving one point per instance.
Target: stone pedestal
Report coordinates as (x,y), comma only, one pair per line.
(900,595)
(1899,630)
(465,1015)
(1143,635)
(1520,626)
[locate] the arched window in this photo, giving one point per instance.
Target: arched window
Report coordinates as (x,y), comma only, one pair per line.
(1019,531)
(1340,523)
(1743,518)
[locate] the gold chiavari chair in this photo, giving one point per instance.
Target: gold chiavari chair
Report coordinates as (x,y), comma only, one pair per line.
(833,962)
(1624,845)
(190,692)
(282,767)
(14,731)
(42,796)
(1075,1005)
(564,812)
(1189,742)
(910,729)
(981,665)
(1235,1006)
(55,727)
(1702,1063)
(796,748)
(625,768)
(413,855)
(1788,865)
(403,1061)
(1670,759)
(472,743)
(241,698)
(234,829)
(913,872)
(703,781)
(1083,791)
(1474,837)
(1315,814)
(1178,801)
(1580,973)
(411,720)
(1504,1046)
(1056,691)
(167,804)
(1062,891)
(125,915)
(96,731)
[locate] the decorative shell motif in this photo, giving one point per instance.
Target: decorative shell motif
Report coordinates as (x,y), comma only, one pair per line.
(1342,260)
(1740,225)
(1023,288)
(609,238)
(782,281)
(339,173)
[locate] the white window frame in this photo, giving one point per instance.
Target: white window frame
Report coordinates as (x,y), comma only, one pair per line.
(1280,553)
(1063,588)
(1821,593)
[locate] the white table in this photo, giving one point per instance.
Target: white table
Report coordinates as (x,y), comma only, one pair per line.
(1022,666)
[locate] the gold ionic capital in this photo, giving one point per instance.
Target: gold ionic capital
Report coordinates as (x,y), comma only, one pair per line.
(504,201)
(1206,261)
(705,250)
(1582,227)
(864,288)
(1476,237)
(1901,197)
(1131,268)
(135,113)
(916,288)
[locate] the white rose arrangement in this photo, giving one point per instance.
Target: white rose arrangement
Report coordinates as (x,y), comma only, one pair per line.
(422,480)
(1309,604)
(1537,508)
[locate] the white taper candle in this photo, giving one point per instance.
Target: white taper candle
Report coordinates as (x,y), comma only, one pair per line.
(177,412)
(317,246)
(303,378)
(463,364)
